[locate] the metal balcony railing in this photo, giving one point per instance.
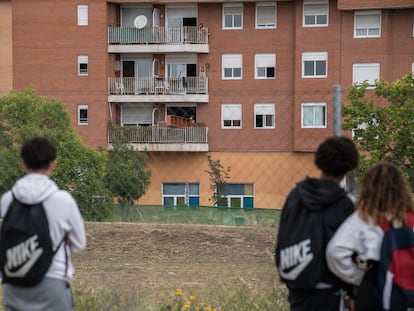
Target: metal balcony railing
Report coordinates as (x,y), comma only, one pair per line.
(158,35)
(159,135)
(157,86)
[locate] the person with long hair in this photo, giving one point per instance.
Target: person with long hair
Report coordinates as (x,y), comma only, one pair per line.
(354,251)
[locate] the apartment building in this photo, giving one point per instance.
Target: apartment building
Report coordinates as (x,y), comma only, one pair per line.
(248,83)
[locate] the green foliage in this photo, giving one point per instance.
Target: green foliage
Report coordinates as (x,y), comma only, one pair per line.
(126,176)
(384,132)
(80,170)
(218,177)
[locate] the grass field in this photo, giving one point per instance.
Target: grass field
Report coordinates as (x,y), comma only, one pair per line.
(139,266)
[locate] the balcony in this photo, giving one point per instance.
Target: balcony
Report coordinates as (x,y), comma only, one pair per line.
(150,89)
(157,39)
(157,138)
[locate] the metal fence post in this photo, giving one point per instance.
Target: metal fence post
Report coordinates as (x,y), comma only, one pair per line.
(336,102)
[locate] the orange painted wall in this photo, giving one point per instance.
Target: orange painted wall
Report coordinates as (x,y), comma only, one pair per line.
(273,174)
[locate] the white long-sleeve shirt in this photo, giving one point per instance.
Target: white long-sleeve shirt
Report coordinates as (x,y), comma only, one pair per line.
(353,236)
(62,213)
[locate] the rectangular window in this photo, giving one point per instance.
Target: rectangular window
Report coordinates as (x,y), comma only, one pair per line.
(264,115)
(366,72)
(181,194)
(232,66)
(265,66)
(82,15)
(315,13)
(231,115)
(233,16)
(314,115)
(315,65)
(239,195)
(367,24)
(266,13)
(82,65)
(82,114)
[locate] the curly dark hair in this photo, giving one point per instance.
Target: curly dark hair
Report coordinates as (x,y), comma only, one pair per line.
(336,156)
(384,191)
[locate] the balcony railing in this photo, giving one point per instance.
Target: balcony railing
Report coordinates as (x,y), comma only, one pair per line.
(159,135)
(157,86)
(157,35)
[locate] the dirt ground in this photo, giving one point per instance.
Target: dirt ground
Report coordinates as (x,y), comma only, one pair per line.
(156,259)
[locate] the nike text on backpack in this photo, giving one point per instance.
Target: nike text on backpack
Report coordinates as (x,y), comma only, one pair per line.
(300,253)
(26,250)
(396,267)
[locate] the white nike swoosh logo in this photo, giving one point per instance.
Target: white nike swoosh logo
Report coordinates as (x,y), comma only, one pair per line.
(293,274)
(22,271)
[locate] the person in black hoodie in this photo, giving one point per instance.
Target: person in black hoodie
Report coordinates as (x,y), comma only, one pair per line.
(313,211)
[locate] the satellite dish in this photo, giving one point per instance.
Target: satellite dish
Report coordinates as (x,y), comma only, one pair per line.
(140,21)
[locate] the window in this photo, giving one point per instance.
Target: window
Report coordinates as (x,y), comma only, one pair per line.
(315,13)
(266,15)
(366,72)
(314,65)
(314,115)
(239,195)
(264,115)
(367,24)
(82,15)
(82,65)
(233,16)
(265,66)
(82,114)
(181,194)
(231,115)
(232,66)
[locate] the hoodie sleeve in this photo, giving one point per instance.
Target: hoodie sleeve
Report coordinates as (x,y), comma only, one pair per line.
(76,234)
(354,236)
(65,218)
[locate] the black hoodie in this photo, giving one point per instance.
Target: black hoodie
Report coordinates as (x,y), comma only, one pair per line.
(312,213)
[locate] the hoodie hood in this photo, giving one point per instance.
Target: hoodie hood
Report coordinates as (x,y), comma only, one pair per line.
(34,188)
(317,194)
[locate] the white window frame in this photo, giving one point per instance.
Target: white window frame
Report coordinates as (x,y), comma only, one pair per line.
(264,61)
(231,109)
(315,8)
(232,10)
(314,57)
(232,61)
(81,120)
(186,195)
(360,24)
(412,70)
(241,197)
(366,71)
(83,15)
(265,110)
(271,7)
(82,60)
(314,105)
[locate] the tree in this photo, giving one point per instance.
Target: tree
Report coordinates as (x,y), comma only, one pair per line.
(80,170)
(218,177)
(126,176)
(383,130)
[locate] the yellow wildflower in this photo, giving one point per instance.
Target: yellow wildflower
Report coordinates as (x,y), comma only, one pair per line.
(179,292)
(193,298)
(187,305)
